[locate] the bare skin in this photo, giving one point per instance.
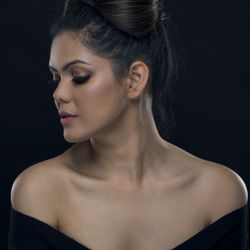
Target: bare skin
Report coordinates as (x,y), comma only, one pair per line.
(121,186)
(159,214)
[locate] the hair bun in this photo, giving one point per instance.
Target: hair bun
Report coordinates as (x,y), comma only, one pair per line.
(72,5)
(135,17)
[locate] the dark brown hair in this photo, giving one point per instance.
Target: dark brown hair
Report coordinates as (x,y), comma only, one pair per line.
(124,31)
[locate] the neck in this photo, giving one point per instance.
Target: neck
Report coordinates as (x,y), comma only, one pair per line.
(130,150)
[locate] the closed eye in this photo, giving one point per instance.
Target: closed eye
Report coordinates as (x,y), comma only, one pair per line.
(76,80)
(80,79)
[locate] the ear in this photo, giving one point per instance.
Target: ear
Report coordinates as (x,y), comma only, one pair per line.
(137,79)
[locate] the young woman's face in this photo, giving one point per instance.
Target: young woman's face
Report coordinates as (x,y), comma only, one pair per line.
(86,88)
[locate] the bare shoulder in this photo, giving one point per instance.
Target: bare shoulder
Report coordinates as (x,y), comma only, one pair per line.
(34,191)
(220,188)
(223,189)
(226,190)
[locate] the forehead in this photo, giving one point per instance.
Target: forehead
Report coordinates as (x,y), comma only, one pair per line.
(67,47)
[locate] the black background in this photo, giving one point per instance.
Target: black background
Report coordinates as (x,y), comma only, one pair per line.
(211,97)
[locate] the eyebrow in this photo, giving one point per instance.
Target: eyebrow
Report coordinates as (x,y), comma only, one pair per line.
(66,66)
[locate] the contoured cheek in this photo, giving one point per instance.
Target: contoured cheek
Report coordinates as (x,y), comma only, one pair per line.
(100,100)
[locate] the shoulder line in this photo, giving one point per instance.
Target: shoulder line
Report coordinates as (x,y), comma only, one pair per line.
(33,192)
(225,190)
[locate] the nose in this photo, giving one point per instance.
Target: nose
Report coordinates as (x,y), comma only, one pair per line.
(62,93)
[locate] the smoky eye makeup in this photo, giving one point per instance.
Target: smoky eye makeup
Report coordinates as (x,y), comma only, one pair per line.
(76,74)
(77,80)
(80,79)
(79,76)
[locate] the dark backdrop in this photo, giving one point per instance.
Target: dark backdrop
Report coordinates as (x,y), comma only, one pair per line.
(211,96)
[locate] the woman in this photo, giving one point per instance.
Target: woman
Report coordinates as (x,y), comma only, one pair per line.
(121,186)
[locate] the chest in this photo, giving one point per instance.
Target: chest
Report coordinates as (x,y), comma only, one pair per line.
(125,221)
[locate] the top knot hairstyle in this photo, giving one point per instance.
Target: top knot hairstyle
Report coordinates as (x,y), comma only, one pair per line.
(123,31)
(136,18)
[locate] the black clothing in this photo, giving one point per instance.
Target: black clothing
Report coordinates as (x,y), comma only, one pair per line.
(227,233)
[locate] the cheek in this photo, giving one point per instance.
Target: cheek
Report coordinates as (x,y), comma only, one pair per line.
(99,101)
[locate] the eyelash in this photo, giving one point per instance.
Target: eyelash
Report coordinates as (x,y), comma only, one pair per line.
(77,80)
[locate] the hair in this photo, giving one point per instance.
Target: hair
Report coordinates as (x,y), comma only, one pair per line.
(124,31)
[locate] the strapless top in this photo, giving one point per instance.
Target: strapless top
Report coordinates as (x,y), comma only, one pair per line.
(28,233)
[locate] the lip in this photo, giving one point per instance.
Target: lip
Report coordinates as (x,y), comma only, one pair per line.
(64,114)
(67,119)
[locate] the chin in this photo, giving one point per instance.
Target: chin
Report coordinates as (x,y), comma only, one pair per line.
(74,138)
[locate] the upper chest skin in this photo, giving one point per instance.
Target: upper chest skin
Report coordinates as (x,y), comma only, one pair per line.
(111,217)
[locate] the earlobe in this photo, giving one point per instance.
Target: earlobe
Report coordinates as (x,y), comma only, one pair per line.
(138,78)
